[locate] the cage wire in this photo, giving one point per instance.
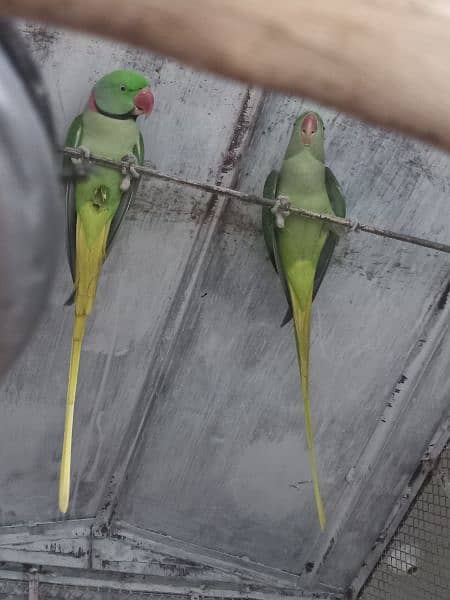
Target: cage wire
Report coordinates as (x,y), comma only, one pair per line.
(280,207)
(49,591)
(416,563)
(19,590)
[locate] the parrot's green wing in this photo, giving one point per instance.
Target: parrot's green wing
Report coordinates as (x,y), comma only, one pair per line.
(127,197)
(270,237)
(335,194)
(270,192)
(337,202)
(73,140)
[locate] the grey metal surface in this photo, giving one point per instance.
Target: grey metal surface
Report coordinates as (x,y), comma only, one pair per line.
(188,421)
(30,215)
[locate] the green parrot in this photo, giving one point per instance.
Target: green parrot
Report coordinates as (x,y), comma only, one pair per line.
(96,206)
(301,250)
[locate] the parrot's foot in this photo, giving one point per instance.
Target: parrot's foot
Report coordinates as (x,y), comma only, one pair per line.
(356,226)
(85,155)
(129,171)
(339,230)
(281,210)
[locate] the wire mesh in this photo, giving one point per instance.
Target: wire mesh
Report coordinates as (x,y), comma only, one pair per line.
(416,563)
(50,591)
(19,590)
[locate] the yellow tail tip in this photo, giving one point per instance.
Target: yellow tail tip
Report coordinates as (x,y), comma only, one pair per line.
(322,521)
(317,495)
(64,488)
(63,505)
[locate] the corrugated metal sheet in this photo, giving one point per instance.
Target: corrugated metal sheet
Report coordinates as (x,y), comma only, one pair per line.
(188,421)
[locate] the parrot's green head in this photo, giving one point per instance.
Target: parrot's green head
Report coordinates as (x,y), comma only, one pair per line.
(122,95)
(308,133)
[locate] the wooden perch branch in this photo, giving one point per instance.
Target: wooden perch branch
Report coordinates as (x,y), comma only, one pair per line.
(383,60)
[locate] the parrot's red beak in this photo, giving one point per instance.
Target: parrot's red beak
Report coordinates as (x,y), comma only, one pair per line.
(309,128)
(143,102)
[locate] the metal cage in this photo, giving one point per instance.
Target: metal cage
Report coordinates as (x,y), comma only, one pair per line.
(416,563)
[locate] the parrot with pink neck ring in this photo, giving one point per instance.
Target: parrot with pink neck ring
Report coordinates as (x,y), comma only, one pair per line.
(96,206)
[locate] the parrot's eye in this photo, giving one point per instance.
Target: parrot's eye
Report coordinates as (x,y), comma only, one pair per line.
(123,88)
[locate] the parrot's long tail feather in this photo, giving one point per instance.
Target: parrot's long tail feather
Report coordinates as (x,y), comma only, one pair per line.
(64,479)
(301,297)
(88,265)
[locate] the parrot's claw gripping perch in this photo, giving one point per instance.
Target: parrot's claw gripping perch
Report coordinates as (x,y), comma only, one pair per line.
(338,230)
(85,155)
(356,226)
(281,210)
(129,171)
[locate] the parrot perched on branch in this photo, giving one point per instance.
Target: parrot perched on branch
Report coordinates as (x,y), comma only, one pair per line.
(301,249)
(96,206)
